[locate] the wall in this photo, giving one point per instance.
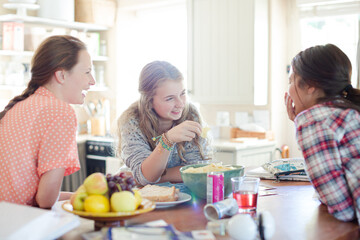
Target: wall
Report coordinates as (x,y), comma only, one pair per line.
(209,111)
(284,44)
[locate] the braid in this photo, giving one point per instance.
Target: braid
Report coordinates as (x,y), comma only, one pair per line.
(25,94)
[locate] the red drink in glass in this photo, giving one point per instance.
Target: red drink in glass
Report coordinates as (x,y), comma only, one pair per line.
(247,201)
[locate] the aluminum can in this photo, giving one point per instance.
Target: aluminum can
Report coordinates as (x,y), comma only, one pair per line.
(218,210)
(214,187)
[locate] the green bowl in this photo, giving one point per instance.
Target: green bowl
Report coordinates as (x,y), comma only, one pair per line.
(196,182)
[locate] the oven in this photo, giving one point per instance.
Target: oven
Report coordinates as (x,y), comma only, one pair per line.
(96,154)
(100,156)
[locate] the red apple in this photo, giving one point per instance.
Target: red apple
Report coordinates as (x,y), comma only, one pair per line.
(96,184)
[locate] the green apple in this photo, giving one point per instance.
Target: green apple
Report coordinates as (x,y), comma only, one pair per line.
(96,184)
(78,198)
(123,201)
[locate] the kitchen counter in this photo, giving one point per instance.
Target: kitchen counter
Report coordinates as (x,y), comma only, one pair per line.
(227,145)
(248,152)
(82,138)
(297,214)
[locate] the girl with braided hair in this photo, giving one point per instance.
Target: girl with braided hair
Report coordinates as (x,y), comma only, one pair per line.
(38,128)
(162,130)
(326,110)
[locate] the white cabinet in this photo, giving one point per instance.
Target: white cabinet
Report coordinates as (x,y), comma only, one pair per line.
(228,51)
(249,153)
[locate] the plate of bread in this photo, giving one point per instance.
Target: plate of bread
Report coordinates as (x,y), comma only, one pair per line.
(164,197)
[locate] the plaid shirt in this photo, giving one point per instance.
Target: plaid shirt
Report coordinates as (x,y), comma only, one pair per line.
(329,138)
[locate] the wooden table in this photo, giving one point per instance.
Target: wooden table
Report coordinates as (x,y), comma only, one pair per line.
(297,214)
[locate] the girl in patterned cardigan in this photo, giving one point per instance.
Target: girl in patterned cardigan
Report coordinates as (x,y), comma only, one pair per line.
(162,131)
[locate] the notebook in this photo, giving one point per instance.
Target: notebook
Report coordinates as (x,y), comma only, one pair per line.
(25,222)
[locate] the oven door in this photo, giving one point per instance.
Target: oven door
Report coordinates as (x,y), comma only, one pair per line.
(100,157)
(95,163)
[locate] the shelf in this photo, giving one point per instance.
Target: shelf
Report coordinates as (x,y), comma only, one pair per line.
(25,55)
(16,53)
(30,54)
(21,88)
(52,22)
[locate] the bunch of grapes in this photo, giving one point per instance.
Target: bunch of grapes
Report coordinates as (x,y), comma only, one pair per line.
(120,182)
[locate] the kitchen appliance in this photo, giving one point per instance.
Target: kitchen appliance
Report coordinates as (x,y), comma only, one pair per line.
(100,156)
(96,154)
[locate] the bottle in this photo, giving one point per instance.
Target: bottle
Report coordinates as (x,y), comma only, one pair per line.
(100,72)
(103,48)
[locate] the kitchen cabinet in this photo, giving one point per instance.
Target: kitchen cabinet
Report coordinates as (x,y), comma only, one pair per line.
(249,153)
(51,26)
(228,51)
(72,182)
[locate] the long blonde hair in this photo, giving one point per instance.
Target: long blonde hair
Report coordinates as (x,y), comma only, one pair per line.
(151,76)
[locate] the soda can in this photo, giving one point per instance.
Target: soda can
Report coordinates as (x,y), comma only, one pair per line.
(218,210)
(214,187)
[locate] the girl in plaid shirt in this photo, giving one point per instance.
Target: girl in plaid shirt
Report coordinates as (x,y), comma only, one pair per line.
(326,111)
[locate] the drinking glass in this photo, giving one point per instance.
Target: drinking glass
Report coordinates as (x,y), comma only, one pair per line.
(245,192)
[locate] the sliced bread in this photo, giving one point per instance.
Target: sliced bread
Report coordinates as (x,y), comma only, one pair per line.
(159,194)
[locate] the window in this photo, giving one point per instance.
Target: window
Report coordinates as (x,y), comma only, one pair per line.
(146,35)
(339,30)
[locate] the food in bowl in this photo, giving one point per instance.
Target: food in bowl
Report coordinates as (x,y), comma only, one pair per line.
(208,168)
(196,181)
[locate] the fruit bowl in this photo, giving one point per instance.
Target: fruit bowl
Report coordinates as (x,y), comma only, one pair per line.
(146,206)
(196,182)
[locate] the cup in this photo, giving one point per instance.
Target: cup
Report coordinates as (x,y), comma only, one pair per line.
(245,192)
(98,125)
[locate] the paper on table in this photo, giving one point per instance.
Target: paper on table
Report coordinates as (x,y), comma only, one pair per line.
(155,230)
(25,222)
(262,173)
